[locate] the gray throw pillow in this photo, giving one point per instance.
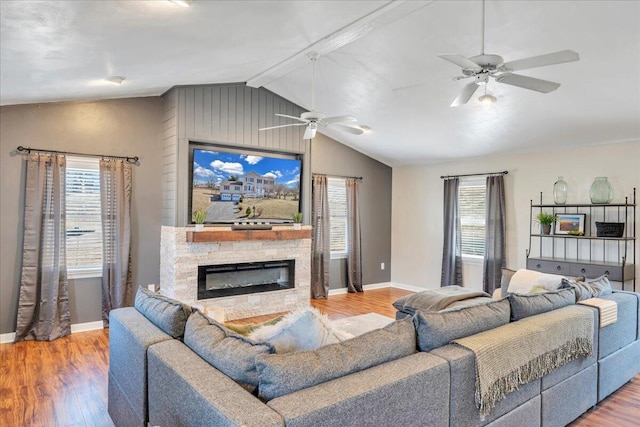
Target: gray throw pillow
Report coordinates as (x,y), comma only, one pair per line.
(531,304)
(166,313)
(230,353)
(436,329)
(589,288)
(507,274)
(282,374)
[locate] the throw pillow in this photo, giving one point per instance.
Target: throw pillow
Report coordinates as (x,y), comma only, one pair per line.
(230,353)
(507,274)
(589,288)
(436,329)
(282,374)
(523,281)
(303,329)
(166,313)
(246,329)
(437,299)
(529,305)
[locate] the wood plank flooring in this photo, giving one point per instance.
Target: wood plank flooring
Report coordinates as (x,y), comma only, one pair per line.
(64,382)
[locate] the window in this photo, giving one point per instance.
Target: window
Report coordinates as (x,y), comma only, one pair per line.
(84,223)
(226,187)
(259,181)
(337,193)
(471,198)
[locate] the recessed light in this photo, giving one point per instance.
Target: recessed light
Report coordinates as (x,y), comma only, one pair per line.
(183,3)
(115,79)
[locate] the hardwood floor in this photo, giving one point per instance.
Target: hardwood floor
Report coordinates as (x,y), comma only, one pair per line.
(64,382)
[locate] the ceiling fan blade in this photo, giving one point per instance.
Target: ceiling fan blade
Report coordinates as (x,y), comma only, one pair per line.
(465,95)
(283,126)
(292,117)
(462,62)
(350,129)
(526,82)
(338,119)
(541,61)
(309,133)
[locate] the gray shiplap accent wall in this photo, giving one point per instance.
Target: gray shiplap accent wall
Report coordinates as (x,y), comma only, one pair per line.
(229,114)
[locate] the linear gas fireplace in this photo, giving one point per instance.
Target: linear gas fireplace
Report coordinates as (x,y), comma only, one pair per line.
(225,280)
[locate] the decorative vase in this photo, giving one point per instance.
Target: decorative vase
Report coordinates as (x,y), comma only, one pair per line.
(601,192)
(199,227)
(546,228)
(560,191)
(297,226)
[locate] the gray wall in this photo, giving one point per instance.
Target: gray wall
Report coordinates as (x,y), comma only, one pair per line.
(332,158)
(225,114)
(117,127)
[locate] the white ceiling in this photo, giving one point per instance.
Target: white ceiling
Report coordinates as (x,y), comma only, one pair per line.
(378,63)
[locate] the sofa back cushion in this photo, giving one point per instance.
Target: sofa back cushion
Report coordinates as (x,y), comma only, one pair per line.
(166,313)
(436,329)
(282,374)
(228,352)
(530,305)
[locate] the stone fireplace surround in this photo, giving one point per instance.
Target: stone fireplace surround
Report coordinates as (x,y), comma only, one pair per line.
(179,261)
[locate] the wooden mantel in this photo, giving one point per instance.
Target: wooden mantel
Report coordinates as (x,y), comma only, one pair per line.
(211,236)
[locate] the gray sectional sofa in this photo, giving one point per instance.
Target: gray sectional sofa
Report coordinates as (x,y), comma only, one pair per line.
(163,372)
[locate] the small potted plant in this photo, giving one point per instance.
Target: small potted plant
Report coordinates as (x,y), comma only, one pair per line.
(297,221)
(545,220)
(199,217)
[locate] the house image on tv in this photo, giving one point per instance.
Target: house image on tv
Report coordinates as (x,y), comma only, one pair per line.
(251,185)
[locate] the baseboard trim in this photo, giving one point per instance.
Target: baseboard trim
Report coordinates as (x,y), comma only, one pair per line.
(78,327)
(378,286)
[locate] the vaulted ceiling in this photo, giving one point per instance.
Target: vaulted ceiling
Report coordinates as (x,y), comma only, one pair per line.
(378,63)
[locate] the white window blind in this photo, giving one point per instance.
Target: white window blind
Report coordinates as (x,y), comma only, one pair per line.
(84,224)
(471,197)
(337,193)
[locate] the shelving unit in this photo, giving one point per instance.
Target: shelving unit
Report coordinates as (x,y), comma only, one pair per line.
(587,255)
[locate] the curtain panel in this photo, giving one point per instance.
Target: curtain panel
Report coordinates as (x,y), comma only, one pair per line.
(320,245)
(494,249)
(354,251)
(452,247)
(115,198)
(43,307)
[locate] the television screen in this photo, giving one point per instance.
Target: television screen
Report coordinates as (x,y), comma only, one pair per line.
(239,185)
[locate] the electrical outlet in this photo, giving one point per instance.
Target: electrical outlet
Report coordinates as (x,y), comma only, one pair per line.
(382,266)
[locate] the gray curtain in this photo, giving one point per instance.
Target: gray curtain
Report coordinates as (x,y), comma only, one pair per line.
(115,200)
(320,253)
(494,246)
(43,307)
(452,248)
(354,252)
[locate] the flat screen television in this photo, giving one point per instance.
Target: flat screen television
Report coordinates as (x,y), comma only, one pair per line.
(236,185)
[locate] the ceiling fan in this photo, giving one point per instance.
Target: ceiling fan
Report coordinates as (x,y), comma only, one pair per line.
(483,66)
(314,119)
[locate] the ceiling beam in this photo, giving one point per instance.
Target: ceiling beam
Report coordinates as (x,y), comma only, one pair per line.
(379,18)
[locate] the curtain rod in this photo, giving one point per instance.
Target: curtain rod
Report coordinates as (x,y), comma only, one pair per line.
(474,174)
(22,149)
(328,175)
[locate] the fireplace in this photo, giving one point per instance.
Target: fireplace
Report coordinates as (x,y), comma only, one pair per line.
(223,280)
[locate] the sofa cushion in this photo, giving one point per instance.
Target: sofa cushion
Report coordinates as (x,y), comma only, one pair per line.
(524,281)
(166,313)
(529,305)
(230,353)
(589,288)
(303,329)
(436,329)
(282,374)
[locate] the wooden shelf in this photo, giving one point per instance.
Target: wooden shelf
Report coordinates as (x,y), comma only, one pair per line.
(246,235)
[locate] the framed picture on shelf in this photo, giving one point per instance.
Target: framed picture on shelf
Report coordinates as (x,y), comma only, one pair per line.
(570,223)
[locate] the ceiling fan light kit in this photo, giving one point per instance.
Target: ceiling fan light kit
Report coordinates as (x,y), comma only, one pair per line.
(483,66)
